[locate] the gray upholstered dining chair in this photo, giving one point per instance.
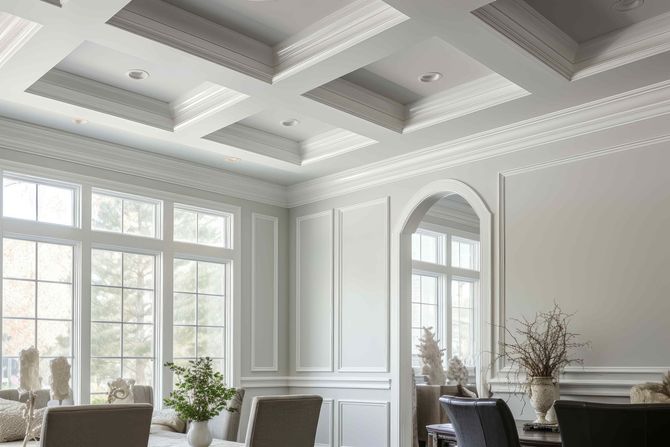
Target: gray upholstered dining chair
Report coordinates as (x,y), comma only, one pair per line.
(590,424)
(287,421)
(97,425)
(481,422)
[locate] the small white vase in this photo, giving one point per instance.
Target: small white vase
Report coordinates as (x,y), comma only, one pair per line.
(198,434)
(541,392)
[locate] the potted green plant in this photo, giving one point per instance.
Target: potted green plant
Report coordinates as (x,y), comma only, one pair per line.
(199,394)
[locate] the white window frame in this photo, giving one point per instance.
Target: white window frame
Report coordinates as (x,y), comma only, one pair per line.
(446,273)
(86,239)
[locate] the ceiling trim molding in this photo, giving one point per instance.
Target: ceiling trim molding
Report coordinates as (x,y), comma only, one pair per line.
(45,142)
(172,26)
(340,30)
(461,100)
(202,102)
(332,143)
(256,140)
(361,102)
(523,25)
(83,92)
(16,31)
(625,108)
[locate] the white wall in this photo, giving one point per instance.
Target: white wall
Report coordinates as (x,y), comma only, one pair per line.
(582,222)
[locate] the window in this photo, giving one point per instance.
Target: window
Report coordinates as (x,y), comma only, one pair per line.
(98,295)
(199,311)
(444,283)
(203,227)
(122,318)
(37,303)
(121,213)
(39,200)
(424,308)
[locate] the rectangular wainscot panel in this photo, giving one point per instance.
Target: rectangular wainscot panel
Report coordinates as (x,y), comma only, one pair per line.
(363,292)
(324,431)
(314,292)
(264,293)
(363,423)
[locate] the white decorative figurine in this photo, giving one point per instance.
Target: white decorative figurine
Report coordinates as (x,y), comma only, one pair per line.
(29,370)
(121,391)
(457,371)
(60,379)
(431,355)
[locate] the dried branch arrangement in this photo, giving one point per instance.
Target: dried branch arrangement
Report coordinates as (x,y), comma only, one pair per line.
(541,347)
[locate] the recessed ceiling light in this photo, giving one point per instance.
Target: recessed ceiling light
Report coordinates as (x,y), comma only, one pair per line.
(626,5)
(80,120)
(290,123)
(231,159)
(431,76)
(137,75)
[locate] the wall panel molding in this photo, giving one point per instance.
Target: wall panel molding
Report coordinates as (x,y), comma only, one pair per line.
(329,406)
(300,294)
(307,381)
(255,278)
(368,425)
(343,322)
(585,381)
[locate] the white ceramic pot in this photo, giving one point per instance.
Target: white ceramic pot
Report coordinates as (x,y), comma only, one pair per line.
(198,434)
(541,391)
(551,414)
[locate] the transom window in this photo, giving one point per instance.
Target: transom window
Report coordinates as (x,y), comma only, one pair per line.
(122,213)
(444,283)
(39,200)
(200,226)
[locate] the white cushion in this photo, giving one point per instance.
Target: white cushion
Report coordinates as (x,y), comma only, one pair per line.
(12,422)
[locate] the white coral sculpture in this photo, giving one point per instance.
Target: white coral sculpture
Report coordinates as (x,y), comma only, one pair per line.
(431,356)
(60,379)
(457,371)
(29,370)
(120,391)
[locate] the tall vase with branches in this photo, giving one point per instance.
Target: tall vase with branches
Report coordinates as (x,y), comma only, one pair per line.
(200,394)
(541,348)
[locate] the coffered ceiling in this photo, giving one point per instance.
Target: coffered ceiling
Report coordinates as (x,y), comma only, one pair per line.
(292,90)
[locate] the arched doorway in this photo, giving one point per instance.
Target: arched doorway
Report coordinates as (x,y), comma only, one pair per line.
(410,218)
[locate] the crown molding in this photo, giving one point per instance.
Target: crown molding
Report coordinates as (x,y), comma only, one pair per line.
(58,145)
(332,143)
(259,141)
(338,31)
(462,100)
(83,92)
(530,30)
(180,29)
(15,33)
(636,105)
(361,102)
(202,102)
(527,28)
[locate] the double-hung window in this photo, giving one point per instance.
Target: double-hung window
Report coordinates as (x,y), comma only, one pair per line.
(445,276)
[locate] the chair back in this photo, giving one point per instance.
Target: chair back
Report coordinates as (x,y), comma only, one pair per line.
(97,425)
(589,424)
(481,422)
(287,421)
(226,425)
